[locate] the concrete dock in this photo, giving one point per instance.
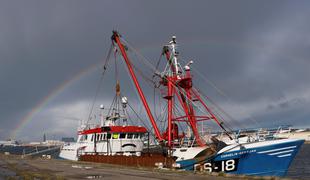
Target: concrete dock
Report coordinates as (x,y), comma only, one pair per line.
(15,167)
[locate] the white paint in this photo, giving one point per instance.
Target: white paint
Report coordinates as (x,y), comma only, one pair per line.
(279,149)
(185,153)
(285,155)
(281,152)
(236,147)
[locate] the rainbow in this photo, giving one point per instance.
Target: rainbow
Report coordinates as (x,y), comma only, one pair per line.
(59,89)
(54,93)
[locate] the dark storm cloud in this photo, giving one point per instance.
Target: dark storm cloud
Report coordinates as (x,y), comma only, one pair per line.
(254,51)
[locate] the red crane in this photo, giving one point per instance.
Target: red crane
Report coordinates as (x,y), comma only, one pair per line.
(116,39)
(178,83)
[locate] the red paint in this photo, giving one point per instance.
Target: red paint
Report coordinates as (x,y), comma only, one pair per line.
(170,109)
(192,117)
(184,83)
(206,107)
(134,78)
(174,132)
(116,129)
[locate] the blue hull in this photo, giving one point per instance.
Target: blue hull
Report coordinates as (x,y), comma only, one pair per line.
(263,160)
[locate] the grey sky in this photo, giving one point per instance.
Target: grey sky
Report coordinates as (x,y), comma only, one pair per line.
(256,52)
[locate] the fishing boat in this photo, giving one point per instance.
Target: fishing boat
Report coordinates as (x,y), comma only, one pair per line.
(186,108)
(114,136)
(114,140)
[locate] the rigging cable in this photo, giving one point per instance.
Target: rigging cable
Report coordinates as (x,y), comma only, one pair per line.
(221,110)
(150,65)
(100,83)
(139,118)
(219,91)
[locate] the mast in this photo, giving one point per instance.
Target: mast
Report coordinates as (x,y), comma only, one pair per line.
(180,84)
(177,78)
(116,39)
(170,109)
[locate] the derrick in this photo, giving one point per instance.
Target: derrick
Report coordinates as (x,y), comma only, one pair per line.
(116,39)
(178,92)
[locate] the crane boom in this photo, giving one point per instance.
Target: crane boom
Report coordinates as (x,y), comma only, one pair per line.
(116,39)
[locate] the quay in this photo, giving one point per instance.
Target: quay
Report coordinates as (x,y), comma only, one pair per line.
(15,167)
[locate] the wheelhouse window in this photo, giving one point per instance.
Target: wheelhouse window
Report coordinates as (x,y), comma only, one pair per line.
(136,136)
(83,137)
(122,135)
(142,135)
(108,136)
(129,136)
(98,136)
(115,136)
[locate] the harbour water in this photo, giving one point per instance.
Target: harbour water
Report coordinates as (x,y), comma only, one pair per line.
(24,150)
(300,168)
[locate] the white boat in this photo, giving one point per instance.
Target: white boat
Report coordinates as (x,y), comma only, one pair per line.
(113,136)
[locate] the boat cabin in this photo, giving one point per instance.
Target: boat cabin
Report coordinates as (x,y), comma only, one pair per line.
(113,140)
